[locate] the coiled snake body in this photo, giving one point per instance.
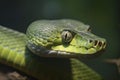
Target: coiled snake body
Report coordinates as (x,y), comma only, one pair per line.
(50,40)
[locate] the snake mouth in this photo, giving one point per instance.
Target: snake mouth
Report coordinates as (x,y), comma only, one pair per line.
(62,51)
(79,50)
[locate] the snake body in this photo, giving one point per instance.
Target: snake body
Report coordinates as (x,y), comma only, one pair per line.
(13,52)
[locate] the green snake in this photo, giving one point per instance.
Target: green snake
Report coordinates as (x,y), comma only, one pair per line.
(51,49)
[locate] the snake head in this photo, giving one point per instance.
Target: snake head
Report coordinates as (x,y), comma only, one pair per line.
(62,38)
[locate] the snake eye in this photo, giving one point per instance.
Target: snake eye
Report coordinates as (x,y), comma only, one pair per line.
(66,36)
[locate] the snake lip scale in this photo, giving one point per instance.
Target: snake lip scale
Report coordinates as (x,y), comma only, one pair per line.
(42,51)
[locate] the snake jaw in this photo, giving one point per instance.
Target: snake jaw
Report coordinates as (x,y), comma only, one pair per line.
(78,45)
(66,51)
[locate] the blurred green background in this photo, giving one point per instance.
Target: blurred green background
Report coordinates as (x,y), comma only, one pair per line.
(101,15)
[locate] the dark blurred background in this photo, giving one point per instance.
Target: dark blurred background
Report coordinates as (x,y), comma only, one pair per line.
(101,15)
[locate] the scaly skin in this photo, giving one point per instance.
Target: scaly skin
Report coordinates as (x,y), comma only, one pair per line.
(13,52)
(63,37)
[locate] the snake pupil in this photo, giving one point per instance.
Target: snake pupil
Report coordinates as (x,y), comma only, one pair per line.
(66,36)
